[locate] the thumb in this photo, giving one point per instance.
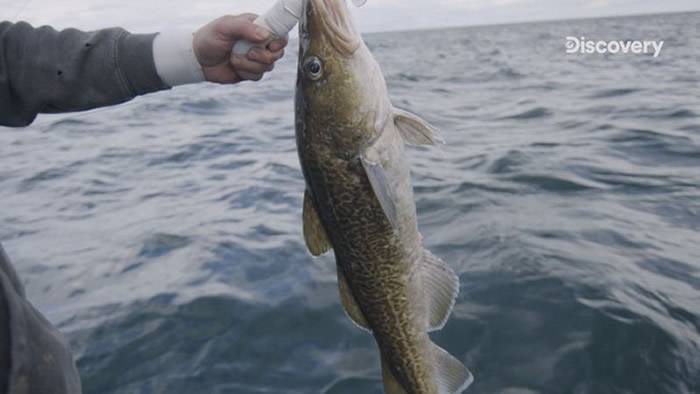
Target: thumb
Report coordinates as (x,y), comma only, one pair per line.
(241,27)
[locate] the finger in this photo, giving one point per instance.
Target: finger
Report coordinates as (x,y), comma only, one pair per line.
(241,27)
(264,56)
(278,44)
(243,64)
(224,74)
(278,55)
(249,16)
(250,76)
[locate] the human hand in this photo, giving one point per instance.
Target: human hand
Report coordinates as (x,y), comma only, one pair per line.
(214,42)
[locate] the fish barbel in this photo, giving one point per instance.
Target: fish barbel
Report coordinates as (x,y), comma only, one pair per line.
(359,202)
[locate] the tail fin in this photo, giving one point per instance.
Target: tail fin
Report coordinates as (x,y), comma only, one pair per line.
(451,376)
(440,286)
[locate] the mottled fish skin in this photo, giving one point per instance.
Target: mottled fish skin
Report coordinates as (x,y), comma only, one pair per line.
(341,118)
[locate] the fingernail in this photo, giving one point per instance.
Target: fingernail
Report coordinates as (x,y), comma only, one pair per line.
(262,33)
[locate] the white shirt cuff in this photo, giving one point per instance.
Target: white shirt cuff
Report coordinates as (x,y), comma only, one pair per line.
(175,60)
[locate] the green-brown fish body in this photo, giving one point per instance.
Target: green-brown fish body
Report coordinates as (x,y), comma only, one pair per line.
(359,202)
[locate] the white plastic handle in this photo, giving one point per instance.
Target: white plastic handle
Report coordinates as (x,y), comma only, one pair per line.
(243,46)
(280,19)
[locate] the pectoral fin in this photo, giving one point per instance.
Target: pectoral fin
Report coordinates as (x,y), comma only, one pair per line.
(314,234)
(382,189)
(414,130)
(349,304)
(441,287)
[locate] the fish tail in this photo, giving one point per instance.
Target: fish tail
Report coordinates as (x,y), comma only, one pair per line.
(440,285)
(451,376)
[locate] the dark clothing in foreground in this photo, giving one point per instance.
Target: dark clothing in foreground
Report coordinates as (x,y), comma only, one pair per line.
(34,357)
(46,71)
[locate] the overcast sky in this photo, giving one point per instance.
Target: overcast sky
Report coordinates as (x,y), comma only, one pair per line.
(376,15)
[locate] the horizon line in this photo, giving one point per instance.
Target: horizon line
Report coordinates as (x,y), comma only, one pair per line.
(532,21)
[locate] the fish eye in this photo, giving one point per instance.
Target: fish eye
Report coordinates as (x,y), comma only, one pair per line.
(313,68)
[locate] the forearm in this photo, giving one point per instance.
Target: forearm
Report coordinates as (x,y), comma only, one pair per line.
(46,71)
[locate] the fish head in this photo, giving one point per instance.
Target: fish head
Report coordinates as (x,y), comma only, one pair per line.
(341,91)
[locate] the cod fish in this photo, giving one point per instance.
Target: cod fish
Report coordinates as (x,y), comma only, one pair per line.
(359,202)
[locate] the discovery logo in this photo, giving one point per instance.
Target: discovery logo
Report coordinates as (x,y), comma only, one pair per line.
(581,45)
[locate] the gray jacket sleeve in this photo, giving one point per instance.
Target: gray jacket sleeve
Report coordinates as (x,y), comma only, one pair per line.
(47,71)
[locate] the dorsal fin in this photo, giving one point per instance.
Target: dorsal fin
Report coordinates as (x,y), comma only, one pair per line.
(441,286)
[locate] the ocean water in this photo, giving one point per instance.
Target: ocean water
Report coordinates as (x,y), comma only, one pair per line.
(164,236)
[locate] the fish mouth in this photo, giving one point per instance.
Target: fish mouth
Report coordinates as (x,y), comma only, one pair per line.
(336,23)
